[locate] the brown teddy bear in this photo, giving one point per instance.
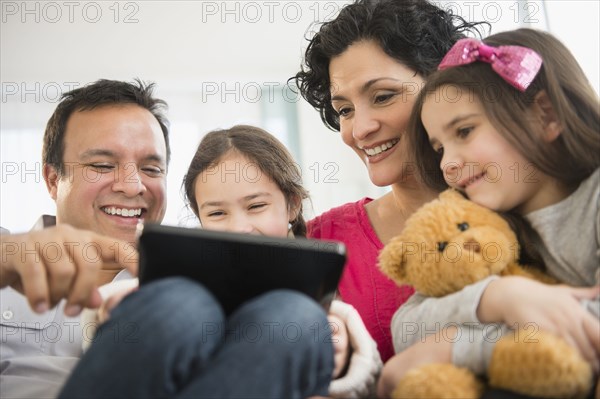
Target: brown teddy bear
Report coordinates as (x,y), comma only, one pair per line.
(448,244)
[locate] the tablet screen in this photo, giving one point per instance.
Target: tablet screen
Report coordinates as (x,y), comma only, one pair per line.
(237,267)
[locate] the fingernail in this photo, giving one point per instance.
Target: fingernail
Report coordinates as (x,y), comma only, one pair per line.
(72,310)
(41,307)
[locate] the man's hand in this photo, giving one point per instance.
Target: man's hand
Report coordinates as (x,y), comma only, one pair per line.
(62,262)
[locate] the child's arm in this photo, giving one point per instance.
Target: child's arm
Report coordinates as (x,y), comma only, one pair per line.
(421,316)
(519,302)
(363,362)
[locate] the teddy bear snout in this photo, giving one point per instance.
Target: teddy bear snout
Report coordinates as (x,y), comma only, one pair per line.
(472,245)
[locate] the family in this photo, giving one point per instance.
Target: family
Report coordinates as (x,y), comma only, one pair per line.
(359,72)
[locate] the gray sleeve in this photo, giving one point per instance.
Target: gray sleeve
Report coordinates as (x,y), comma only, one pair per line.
(472,348)
(597,276)
(421,315)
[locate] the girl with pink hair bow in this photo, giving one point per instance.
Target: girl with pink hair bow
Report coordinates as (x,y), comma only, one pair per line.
(514,125)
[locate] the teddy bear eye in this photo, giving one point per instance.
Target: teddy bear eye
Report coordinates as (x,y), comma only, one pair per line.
(442,245)
(463,226)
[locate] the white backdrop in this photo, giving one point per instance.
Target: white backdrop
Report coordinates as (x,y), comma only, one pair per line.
(217,63)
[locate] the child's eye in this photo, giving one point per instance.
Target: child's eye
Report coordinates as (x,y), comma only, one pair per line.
(438,149)
(215,214)
(464,131)
(257,206)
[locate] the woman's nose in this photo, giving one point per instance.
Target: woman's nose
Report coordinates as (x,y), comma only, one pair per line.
(364,123)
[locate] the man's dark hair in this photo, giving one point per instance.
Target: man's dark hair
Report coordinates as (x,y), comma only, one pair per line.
(100,93)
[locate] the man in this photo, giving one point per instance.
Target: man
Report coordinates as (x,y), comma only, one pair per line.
(105,157)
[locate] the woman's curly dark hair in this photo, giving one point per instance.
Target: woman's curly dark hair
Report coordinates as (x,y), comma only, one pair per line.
(415,32)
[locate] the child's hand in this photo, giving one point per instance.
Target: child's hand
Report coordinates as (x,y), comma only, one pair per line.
(341,344)
(111,294)
(362,360)
(114,296)
(520,302)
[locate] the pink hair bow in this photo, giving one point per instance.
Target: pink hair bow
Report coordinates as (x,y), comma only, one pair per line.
(515,64)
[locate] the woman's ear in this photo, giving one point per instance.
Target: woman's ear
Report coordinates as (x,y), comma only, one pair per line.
(546,113)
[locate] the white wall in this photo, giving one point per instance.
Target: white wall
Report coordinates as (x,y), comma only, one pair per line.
(207,57)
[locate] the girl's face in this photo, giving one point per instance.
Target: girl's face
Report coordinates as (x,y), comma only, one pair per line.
(374,95)
(477,159)
(236,196)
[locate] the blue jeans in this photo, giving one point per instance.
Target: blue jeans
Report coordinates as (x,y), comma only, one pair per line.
(171,339)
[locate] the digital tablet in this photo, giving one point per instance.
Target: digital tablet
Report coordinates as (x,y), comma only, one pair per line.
(237,267)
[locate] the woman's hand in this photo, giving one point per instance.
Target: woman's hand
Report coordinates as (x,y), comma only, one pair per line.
(521,303)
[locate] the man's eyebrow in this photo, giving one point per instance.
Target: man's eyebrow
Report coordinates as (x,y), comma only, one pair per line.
(365,87)
(99,152)
(155,157)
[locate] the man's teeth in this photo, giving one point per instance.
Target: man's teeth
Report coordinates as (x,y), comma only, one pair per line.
(381,148)
(122,211)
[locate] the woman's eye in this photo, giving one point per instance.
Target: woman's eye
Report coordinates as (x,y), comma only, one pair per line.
(438,149)
(382,98)
(344,111)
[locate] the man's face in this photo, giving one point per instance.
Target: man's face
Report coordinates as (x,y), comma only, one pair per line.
(114,171)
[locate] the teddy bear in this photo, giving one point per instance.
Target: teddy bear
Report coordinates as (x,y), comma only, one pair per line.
(450,243)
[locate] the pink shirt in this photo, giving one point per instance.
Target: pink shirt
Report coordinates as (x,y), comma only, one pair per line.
(374,296)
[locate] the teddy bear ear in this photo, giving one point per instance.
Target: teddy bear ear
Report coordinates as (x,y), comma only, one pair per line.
(451,195)
(392,260)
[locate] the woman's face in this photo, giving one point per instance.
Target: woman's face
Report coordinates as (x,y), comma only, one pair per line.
(374,95)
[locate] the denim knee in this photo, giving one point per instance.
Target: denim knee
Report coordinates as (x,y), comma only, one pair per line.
(284,317)
(169,308)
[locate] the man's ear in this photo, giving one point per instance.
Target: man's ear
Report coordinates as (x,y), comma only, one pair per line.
(51,177)
(546,113)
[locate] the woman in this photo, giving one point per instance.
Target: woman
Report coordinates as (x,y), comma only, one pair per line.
(362,72)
